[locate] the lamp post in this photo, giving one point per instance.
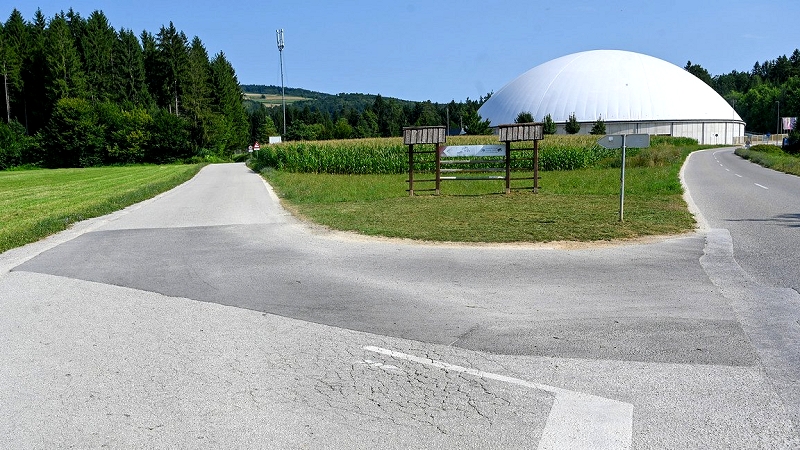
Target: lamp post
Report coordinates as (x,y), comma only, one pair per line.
(778,128)
(279,34)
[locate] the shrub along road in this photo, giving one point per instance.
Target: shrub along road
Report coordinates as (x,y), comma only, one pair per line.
(210,315)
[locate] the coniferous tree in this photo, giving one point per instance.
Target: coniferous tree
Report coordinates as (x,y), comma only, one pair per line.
(474,123)
(36,108)
(196,97)
(13,50)
(549,125)
(172,65)
(129,70)
(97,46)
(572,126)
(65,72)
(599,127)
(228,103)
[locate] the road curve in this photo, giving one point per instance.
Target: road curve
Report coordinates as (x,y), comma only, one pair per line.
(209,315)
(759,207)
(751,216)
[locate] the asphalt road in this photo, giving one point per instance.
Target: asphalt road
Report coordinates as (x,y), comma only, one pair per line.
(759,207)
(210,317)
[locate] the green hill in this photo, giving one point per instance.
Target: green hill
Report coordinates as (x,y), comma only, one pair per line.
(271,96)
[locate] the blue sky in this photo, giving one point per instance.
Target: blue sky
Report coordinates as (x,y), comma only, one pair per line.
(449,50)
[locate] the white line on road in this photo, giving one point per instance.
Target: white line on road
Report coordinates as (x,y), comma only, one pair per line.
(738,175)
(576,421)
(761,186)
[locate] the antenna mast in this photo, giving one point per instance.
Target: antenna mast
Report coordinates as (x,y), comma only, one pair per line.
(279,34)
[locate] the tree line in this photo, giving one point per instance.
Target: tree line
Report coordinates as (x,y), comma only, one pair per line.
(76,92)
(350,116)
(758,94)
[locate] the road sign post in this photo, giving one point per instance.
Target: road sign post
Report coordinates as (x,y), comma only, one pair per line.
(624,141)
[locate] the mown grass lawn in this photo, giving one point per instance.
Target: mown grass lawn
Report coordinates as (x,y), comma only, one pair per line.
(37,203)
(580,205)
(772,157)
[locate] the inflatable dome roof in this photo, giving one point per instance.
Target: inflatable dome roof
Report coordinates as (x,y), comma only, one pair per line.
(614,85)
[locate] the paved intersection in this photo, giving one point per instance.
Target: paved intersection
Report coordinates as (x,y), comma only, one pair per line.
(210,317)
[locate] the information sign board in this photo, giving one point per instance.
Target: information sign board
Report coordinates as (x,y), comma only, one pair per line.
(472,150)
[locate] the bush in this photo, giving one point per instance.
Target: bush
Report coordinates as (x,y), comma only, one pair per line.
(74,135)
(16,148)
(524,117)
(766,148)
(169,138)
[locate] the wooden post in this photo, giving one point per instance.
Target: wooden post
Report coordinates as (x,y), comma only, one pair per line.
(522,132)
(410,170)
(438,168)
(508,167)
(535,166)
(423,135)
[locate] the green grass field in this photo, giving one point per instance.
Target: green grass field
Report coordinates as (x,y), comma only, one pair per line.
(772,157)
(37,203)
(272,99)
(360,185)
(580,205)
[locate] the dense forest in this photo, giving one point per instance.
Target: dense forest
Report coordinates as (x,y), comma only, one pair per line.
(757,95)
(77,93)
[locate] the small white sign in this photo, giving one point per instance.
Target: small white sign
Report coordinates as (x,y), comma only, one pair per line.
(472,150)
(631,141)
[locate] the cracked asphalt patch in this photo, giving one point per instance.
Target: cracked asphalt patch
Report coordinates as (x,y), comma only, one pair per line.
(119,367)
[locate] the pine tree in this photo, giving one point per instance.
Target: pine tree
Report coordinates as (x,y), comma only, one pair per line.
(13,38)
(97,45)
(36,107)
(196,97)
(173,62)
(129,70)
(66,77)
(474,123)
(599,127)
(572,126)
(228,102)
(549,125)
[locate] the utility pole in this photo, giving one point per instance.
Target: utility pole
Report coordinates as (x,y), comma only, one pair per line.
(283,93)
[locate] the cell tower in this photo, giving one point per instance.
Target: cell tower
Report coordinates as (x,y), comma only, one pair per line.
(279,34)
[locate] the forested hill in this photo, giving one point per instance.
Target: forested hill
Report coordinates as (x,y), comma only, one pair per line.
(330,103)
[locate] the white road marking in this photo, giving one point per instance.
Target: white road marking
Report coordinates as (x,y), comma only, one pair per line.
(738,175)
(576,421)
(761,186)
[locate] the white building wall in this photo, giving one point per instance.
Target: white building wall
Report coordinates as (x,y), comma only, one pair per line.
(706,133)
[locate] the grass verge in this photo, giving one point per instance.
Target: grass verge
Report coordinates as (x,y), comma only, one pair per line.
(38,203)
(772,157)
(579,205)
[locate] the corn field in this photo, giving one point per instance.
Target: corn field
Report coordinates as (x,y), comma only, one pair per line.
(390,156)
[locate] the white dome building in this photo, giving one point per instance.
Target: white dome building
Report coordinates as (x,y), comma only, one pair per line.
(633,93)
